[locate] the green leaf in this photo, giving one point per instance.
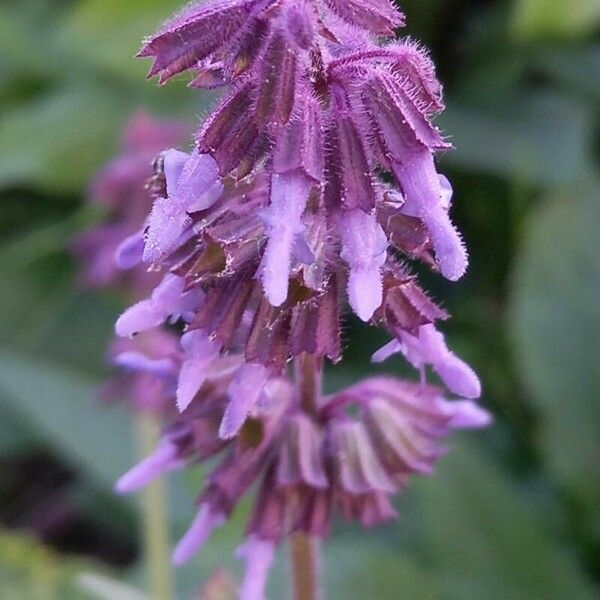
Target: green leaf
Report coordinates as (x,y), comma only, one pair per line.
(555,323)
(542,138)
(14,435)
(64,409)
(108,33)
(57,141)
(541,18)
(578,69)
(484,540)
(103,587)
(360,566)
(27,46)
(29,571)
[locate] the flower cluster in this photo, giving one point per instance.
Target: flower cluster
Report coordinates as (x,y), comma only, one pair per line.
(350,451)
(110,256)
(107,250)
(311,184)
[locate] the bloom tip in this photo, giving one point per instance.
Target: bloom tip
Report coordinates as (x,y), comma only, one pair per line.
(203,525)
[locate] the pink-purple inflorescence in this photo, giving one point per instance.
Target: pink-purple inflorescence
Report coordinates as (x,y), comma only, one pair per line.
(110,252)
(110,257)
(310,185)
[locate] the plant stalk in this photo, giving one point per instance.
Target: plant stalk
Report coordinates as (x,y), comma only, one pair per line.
(309,376)
(305,559)
(155,519)
(304,550)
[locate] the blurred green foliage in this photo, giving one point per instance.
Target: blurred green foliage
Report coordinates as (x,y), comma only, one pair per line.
(512,512)
(29,571)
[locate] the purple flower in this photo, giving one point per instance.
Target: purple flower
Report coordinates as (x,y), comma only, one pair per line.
(285,230)
(120,188)
(148,368)
(429,348)
(352,456)
(191,184)
(205,522)
(200,353)
(311,185)
(297,143)
(169,302)
(364,249)
(258,555)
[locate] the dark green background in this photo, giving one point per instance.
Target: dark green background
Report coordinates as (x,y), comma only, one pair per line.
(512,512)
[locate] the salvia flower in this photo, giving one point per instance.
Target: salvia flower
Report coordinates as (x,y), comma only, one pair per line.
(355,452)
(148,369)
(110,248)
(312,184)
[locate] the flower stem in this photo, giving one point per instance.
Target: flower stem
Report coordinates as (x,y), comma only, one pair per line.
(305,561)
(309,375)
(155,522)
(304,549)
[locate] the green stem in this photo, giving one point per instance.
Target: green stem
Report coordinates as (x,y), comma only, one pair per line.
(155,522)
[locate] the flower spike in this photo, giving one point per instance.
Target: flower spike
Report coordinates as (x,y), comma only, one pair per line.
(311,187)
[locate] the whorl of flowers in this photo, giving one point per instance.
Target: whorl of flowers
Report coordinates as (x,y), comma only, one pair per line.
(311,182)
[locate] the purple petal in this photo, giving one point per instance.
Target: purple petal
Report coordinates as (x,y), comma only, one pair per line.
(428,347)
(163,459)
(426,198)
(173,163)
(447,192)
(139,317)
(192,181)
(202,526)
(391,348)
(130,251)
(200,173)
(364,249)
(259,556)
(466,414)
(283,217)
(207,199)
(200,352)
(245,392)
(136,361)
(189,302)
(455,373)
(166,223)
(458,376)
(365,291)
(168,300)
(167,294)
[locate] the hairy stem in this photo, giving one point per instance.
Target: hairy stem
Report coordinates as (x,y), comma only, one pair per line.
(304,550)
(155,522)
(309,375)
